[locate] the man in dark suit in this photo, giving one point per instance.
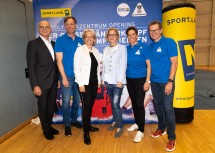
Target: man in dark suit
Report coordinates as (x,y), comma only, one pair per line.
(43,77)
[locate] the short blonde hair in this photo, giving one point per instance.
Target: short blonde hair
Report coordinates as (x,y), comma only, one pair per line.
(93,34)
(107,32)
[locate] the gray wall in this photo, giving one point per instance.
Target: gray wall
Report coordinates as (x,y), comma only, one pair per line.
(17,103)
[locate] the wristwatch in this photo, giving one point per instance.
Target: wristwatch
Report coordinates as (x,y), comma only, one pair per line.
(148,81)
(170,80)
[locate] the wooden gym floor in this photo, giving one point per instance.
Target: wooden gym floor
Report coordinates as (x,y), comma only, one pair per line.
(196,136)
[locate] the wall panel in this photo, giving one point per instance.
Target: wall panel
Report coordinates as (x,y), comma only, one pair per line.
(17,102)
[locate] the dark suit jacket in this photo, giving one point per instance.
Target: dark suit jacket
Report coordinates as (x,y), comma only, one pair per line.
(42,69)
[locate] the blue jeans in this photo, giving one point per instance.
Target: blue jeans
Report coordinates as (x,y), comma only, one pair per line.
(75,103)
(164,108)
(66,94)
(115,93)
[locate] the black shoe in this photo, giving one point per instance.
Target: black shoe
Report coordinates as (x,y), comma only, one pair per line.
(77,124)
(93,129)
(48,135)
(54,131)
(68,131)
(87,140)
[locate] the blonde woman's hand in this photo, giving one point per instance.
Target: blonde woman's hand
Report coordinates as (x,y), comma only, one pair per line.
(119,84)
(82,89)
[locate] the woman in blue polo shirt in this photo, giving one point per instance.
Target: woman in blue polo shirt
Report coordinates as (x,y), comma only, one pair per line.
(138,78)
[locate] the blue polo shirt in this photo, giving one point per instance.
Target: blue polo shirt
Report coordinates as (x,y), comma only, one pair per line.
(68,46)
(161,53)
(136,60)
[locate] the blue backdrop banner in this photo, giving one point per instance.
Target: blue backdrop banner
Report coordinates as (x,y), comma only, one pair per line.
(100,15)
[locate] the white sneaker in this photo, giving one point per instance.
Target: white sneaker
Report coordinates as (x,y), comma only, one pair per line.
(132,128)
(138,137)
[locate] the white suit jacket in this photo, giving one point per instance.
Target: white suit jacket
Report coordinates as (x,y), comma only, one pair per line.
(114,64)
(82,65)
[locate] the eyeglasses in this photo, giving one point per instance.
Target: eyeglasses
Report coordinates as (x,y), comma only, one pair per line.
(153,31)
(44,27)
(112,35)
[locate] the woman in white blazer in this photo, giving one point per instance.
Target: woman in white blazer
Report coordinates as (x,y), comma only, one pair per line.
(113,75)
(87,76)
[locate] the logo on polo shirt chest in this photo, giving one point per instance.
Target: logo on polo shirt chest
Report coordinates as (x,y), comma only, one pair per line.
(159,49)
(137,52)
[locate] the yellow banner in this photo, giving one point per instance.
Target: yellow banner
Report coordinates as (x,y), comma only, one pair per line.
(180,24)
(55,13)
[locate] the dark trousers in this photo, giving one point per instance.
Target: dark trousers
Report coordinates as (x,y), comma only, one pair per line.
(137,95)
(46,106)
(88,99)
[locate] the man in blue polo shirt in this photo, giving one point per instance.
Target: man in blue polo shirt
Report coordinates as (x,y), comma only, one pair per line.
(164,61)
(65,48)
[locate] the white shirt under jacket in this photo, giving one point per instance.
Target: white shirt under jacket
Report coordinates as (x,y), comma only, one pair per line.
(114,64)
(82,64)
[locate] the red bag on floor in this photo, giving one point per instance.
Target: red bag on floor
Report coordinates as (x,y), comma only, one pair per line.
(102,106)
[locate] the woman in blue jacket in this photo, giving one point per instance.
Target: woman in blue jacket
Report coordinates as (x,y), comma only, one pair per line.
(114,68)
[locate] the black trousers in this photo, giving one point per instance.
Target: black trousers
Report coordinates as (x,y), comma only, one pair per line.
(137,95)
(46,106)
(88,99)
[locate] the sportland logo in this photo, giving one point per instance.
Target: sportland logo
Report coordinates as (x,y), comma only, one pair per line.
(123,9)
(139,10)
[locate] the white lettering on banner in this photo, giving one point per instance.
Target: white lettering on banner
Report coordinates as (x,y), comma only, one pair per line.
(100,41)
(58,27)
(122,32)
(105,25)
(100,29)
(100,33)
(142,39)
(121,25)
(142,32)
(123,40)
(55,35)
(92,26)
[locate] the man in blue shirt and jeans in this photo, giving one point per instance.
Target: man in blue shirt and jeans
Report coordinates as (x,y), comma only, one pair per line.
(65,48)
(164,61)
